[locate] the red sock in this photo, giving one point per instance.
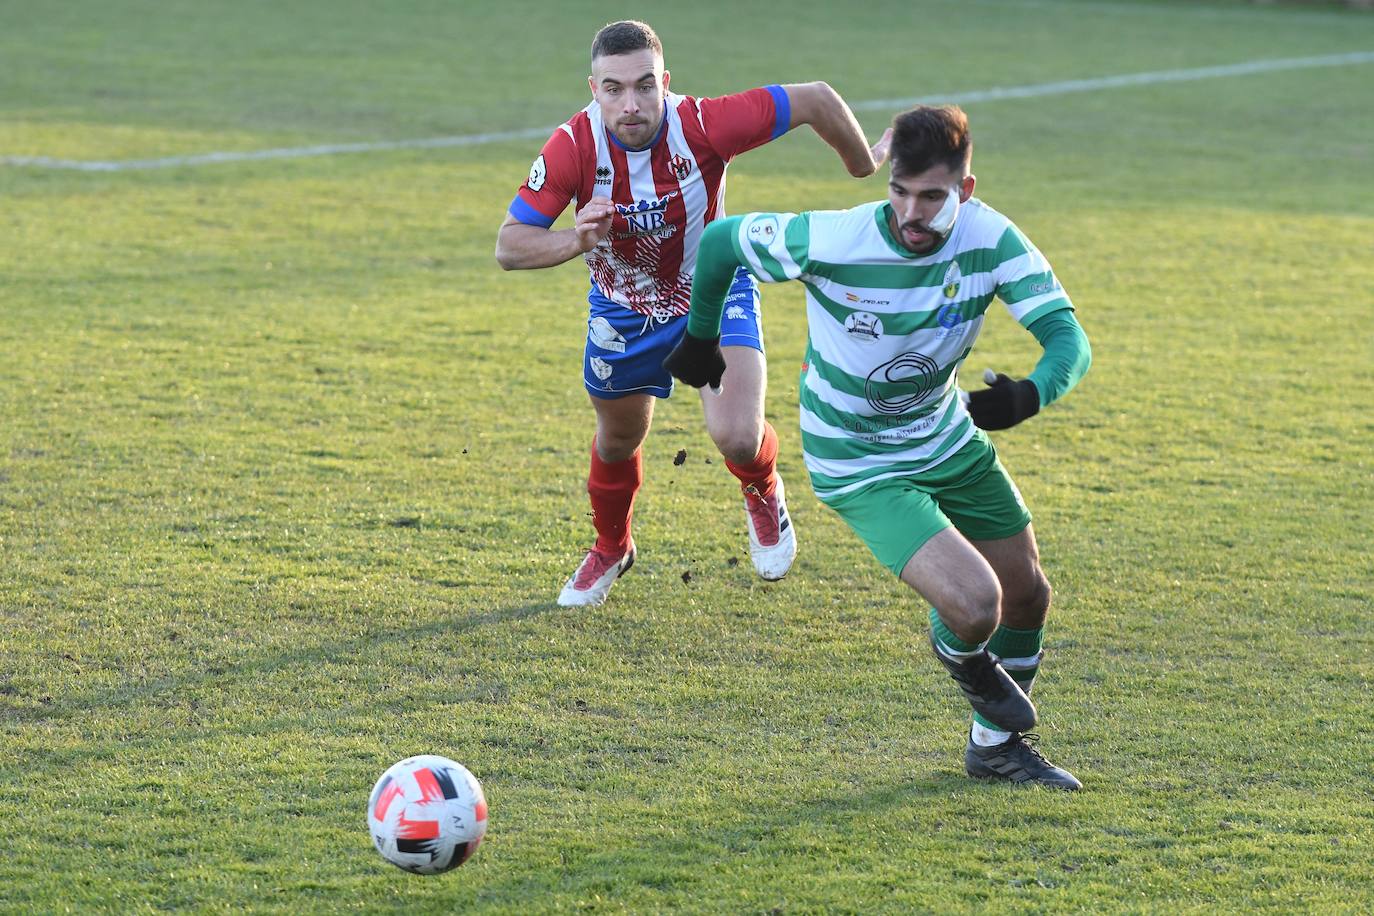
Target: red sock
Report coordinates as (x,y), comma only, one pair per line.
(612,487)
(761,473)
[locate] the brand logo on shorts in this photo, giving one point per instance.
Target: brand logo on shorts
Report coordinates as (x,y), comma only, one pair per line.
(600,332)
(864,326)
(901,383)
(600,368)
(736,313)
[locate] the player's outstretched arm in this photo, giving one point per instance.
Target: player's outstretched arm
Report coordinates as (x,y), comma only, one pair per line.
(829,115)
(697,359)
(1007,401)
(520,246)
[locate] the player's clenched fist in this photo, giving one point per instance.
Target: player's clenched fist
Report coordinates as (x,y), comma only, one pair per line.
(697,361)
(1004,403)
(593,222)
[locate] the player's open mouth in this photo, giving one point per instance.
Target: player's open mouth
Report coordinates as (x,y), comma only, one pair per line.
(915,236)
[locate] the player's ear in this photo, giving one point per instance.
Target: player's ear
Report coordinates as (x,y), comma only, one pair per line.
(966,188)
(591,84)
(666,77)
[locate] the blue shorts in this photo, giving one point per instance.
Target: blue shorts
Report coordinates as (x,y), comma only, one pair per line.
(625,349)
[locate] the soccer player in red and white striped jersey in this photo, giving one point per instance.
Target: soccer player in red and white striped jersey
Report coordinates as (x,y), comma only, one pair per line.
(644,170)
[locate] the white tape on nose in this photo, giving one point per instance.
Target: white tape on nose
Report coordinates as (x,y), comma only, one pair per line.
(943,221)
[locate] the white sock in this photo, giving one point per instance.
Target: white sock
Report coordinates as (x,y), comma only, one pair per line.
(956,655)
(987,737)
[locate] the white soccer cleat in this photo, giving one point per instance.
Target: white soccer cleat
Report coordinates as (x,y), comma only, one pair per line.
(772,541)
(594,578)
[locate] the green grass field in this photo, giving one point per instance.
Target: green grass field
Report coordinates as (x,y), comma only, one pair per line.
(291,472)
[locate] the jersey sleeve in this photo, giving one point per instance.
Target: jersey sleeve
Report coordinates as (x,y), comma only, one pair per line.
(774,247)
(1067,355)
(738,123)
(1025,281)
(771,246)
(551,185)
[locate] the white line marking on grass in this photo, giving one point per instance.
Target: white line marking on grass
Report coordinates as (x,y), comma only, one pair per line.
(295,152)
(1274,14)
(1126,80)
(959,98)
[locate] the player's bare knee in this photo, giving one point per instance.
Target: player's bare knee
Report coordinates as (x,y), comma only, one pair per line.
(1027,607)
(739,445)
(612,448)
(1040,601)
(975,614)
(984,615)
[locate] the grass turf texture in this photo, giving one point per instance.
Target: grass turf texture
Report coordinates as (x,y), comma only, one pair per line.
(291,474)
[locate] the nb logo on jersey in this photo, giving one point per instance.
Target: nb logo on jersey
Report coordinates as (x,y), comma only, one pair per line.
(645,215)
(680,167)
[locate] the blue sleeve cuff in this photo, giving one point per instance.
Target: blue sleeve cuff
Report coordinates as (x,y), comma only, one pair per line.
(782,106)
(524,213)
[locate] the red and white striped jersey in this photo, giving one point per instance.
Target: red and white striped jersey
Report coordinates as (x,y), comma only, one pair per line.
(665,193)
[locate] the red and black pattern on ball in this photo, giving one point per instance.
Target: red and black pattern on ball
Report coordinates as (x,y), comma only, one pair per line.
(434,784)
(416,830)
(461,853)
(444,777)
(419,847)
(382,797)
(432,789)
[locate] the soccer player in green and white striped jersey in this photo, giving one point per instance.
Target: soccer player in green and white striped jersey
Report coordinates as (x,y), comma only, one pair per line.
(896,294)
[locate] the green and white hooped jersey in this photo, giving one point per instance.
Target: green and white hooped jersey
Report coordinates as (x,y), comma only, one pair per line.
(889,329)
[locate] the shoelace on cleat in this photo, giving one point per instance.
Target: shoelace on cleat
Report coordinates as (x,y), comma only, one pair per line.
(585,579)
(1028,741)
(765,517)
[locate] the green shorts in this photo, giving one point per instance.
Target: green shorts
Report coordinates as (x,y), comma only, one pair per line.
(969,490)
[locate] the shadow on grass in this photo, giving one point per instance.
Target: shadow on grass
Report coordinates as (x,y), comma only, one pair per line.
(653,872)
(260,667)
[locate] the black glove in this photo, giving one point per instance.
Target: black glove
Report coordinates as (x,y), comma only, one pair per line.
(1004,403)
(697,361)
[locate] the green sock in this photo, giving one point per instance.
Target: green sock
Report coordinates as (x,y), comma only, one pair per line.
(946,636)
(1020,652)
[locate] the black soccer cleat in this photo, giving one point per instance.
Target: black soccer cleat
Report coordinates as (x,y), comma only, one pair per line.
(1017,760)
(990,690)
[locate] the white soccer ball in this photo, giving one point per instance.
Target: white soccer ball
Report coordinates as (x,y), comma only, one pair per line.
(427,814)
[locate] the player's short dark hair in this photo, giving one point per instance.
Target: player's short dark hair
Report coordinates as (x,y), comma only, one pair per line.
(930,135)
(625,37)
